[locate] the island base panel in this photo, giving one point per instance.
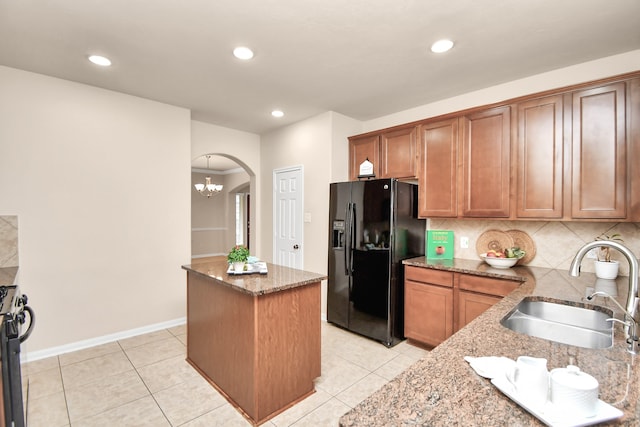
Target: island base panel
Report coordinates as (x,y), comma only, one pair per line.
(262,352)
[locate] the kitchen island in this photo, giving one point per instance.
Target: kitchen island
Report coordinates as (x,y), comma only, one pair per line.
(254,337)
(443,390)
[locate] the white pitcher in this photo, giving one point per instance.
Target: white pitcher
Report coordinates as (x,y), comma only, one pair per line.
(530,378)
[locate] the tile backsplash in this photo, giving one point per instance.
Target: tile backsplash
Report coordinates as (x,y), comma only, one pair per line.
(556,242)
(8,241)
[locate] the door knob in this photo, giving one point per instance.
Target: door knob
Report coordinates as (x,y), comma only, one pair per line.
(296,247)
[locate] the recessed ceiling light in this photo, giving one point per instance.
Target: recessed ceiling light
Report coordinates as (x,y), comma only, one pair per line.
(441,46)
(243,53)
(100,60)
(277,113)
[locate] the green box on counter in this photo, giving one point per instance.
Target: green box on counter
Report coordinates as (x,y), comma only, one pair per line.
(440,244)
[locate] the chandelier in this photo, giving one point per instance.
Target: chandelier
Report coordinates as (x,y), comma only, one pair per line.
(208,189)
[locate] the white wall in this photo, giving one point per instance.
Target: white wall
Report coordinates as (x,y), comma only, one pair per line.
(587,71)
(242,147)
(320,145)
(342,127)
(100,183)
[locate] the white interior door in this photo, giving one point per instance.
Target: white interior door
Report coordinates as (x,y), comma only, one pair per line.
(288,202)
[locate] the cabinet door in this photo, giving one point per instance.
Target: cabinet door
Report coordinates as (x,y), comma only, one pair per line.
(438,171)
(428,312)
(486,285)
(633,123)
(472,305)
(399,153)
(599,174)
(540,157)
(361,149)
(486,163)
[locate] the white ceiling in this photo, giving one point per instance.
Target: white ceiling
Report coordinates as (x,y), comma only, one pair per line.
(361,58)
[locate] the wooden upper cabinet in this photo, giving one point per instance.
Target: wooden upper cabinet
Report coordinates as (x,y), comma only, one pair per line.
(539,163)
(360,149)
(437,181)
(486,163)
(567,154)
(599,169)
(399,153)
(633,153)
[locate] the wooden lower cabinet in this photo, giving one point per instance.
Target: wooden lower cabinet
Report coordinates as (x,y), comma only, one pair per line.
(262,352)
(439,303)
(472,305)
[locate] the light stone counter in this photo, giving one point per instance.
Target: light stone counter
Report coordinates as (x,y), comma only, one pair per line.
(443,390)
(277,279)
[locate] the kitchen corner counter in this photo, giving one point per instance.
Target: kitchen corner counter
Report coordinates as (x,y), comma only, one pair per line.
(442,389)
(8,276)
(277,279)
(468,266)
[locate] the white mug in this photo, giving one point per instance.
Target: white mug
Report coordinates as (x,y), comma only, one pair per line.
(574,391)
(530,379)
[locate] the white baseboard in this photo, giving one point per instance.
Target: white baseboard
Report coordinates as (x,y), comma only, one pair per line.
(92,342)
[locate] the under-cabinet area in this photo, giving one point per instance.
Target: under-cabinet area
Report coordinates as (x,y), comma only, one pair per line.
(438,303)
(563,154)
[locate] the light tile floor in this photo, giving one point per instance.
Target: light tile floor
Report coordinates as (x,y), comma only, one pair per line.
(145,381)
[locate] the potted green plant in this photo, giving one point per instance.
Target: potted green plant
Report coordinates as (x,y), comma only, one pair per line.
(238,256)
(606,268)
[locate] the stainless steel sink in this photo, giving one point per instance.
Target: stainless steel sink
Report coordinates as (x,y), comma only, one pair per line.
(566,324)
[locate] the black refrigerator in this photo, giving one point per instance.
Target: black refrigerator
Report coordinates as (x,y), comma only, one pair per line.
(373,226)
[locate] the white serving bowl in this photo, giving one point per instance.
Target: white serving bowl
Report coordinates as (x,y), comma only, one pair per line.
(499,262)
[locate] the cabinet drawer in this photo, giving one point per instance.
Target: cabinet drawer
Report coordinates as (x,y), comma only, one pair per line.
(487,285)
(428,275)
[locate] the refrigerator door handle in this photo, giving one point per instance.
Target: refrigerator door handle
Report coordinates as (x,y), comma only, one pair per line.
(347,240)
(352,236)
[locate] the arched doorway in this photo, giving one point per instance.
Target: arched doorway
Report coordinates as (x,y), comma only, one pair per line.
(223,219)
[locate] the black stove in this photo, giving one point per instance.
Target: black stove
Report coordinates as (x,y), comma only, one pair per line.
(15,312)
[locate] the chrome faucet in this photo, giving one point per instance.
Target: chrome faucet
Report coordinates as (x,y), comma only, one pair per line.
(630,324)
(632,296)
(574,269)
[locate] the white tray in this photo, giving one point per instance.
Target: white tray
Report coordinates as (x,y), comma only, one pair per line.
(554,416)
(256,267)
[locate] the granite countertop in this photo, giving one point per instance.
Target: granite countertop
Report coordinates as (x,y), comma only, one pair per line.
(278,278)
(8,276)
(442,389)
